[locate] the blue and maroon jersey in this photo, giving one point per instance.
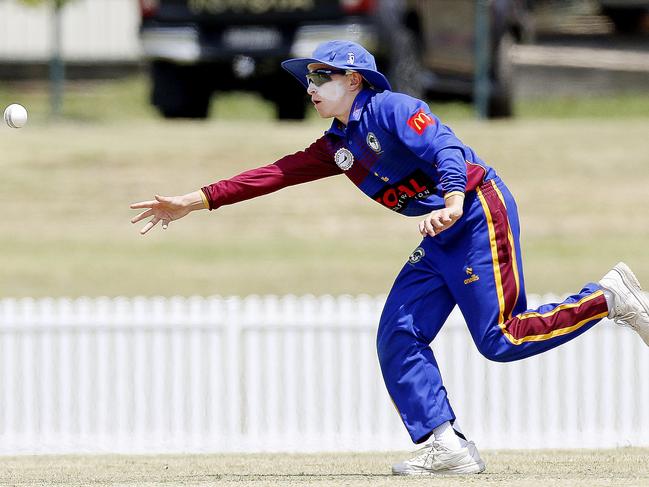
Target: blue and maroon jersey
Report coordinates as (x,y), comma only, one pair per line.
(393,149)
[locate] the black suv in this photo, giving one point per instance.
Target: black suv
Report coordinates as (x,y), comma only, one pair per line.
(425,47)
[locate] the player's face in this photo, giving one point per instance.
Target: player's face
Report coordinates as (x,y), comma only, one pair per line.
(330,92)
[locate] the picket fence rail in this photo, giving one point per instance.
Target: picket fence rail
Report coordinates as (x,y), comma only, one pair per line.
(152,375)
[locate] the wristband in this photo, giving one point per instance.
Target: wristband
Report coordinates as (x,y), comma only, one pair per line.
(452,193)
(206,202)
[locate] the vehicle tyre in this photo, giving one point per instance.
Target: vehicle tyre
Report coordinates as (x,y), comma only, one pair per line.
(179,91)
(501,98)
(626,21)
(290,103)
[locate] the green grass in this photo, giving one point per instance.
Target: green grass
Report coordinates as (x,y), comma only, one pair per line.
(567,468)
(620,105)
(65,189)
(127,99)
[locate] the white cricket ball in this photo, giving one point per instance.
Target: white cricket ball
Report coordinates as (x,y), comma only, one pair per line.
(16,116)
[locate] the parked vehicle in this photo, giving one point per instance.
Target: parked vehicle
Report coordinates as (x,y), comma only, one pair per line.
(426,47)
(628,16)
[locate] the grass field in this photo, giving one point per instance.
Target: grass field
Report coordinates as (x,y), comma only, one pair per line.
(583,468)
(65,189)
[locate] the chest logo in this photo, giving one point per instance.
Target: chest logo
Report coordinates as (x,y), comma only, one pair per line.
(397,196)
(373,142)
(344,159)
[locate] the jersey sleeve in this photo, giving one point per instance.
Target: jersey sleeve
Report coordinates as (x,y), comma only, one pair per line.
(314,162)
(411,121)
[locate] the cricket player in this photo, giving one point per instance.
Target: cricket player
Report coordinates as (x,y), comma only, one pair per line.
(397,152)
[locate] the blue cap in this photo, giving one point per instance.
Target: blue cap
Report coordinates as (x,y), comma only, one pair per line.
(341,55)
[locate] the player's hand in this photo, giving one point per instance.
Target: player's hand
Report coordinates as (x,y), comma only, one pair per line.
(163,209)
(439,220)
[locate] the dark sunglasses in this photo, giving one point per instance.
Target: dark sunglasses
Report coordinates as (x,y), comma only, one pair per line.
(321,76)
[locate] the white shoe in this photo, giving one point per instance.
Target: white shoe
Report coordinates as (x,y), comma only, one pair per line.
(435,459)
(631,303)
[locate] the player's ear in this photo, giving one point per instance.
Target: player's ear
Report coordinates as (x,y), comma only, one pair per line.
(355,81)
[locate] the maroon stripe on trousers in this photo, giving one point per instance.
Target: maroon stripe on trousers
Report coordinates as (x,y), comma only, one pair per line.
(509,278)
(564,318)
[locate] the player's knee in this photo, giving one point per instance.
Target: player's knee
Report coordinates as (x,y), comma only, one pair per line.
(493,350)
(391,334)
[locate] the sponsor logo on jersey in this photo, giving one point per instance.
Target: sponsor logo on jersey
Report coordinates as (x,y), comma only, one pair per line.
(344,159)
(416,185)
(416,255)
(419,121)
(373,142)
(472,277)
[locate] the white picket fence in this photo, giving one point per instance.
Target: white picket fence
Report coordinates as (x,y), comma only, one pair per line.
(92,30)
(145,375)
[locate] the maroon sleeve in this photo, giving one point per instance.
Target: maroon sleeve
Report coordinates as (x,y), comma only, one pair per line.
(315,162)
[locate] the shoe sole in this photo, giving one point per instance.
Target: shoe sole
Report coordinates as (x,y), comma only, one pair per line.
(633,285)
(470,469)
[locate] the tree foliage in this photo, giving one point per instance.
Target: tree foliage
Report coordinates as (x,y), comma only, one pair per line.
(35,3)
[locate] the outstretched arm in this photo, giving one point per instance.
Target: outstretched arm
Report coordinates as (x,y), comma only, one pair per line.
(166,209)
(315,162)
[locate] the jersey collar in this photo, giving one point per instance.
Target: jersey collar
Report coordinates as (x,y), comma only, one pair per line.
(337,127)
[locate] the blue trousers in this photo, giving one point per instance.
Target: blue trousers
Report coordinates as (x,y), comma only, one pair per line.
(475,264)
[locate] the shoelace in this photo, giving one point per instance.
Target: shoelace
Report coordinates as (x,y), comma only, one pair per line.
(425,452)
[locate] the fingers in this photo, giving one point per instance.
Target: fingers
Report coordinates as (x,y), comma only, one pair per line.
(426,228)
(436,222)
(143,204)
(151,203)
(154,221)
(142,216)
(162,199)
(442,220)
(154,208)
(429,226)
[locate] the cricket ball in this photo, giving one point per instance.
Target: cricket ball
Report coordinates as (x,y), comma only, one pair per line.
(16,116)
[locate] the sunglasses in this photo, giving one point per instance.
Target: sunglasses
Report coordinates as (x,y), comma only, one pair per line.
(321,76)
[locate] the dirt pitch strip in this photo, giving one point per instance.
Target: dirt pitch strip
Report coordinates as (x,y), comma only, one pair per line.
(574,468)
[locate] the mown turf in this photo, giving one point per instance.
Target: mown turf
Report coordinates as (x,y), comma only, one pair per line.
(582,468)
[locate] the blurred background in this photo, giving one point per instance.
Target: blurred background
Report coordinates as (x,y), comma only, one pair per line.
(115,342)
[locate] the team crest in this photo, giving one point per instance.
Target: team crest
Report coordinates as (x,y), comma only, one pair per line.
(350,58)
(344,159)
(373,142)
(417,255)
